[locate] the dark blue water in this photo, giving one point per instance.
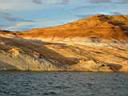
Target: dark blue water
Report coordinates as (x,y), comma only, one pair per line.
(63,84)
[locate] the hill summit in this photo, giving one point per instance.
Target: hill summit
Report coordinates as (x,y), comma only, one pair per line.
(99,26)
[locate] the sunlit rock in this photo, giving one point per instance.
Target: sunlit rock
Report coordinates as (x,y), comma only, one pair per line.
(96,44)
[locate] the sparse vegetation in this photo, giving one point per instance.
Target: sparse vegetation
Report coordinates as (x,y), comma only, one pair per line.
(98,43)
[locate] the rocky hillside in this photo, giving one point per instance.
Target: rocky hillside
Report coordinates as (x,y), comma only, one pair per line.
(96,44)
(100,26)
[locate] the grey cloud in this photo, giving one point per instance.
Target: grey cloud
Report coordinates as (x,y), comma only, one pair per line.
(83,15)
(85,7)
(1,25)
(99,1)
(65,1)
(9,17)
(119,13)
(15,19)
(116,13)
(120,1)
(37,1)
(53,2)
(108,1)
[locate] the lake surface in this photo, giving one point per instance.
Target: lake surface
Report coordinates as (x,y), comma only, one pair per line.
(63,84)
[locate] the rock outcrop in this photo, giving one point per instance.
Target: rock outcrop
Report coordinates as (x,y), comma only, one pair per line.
(96,44)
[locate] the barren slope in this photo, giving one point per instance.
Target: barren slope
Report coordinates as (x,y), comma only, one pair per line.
(33,55)
(100,26)
(98,43)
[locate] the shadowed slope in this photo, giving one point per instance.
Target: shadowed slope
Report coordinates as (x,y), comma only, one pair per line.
(33,55)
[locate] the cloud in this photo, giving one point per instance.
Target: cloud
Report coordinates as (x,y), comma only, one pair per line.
(108,1)
(37,1)
(20,5)
(20,14)
(120,1)
(84,15)
(11,18)
(65,1)
(99,1)
(19,24)
(2,25)
(51,1)
(7,16)
(116,13)
(86,7)
(37,23)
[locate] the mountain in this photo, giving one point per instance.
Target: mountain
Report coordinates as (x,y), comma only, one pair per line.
(97,44)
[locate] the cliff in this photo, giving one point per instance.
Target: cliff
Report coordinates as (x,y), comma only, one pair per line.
(96,44)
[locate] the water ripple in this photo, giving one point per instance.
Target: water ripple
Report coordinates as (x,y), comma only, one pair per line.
(63,84)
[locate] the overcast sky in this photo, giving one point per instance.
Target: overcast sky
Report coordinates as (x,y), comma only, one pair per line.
(26,14)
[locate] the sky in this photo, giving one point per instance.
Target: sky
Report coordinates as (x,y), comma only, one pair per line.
(20,15)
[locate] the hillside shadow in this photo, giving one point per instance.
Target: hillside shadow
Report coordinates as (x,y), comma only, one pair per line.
(121,25)
(31,46)
(115,67)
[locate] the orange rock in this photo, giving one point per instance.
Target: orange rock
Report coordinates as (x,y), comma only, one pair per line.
(14,51)
(101,26)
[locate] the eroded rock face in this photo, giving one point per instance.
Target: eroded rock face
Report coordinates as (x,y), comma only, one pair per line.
(15,54)
(97,44)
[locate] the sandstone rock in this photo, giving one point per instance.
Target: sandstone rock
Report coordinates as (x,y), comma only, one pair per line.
(97,44)
(14,51)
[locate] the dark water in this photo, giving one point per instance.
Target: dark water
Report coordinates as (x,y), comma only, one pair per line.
(63,84)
